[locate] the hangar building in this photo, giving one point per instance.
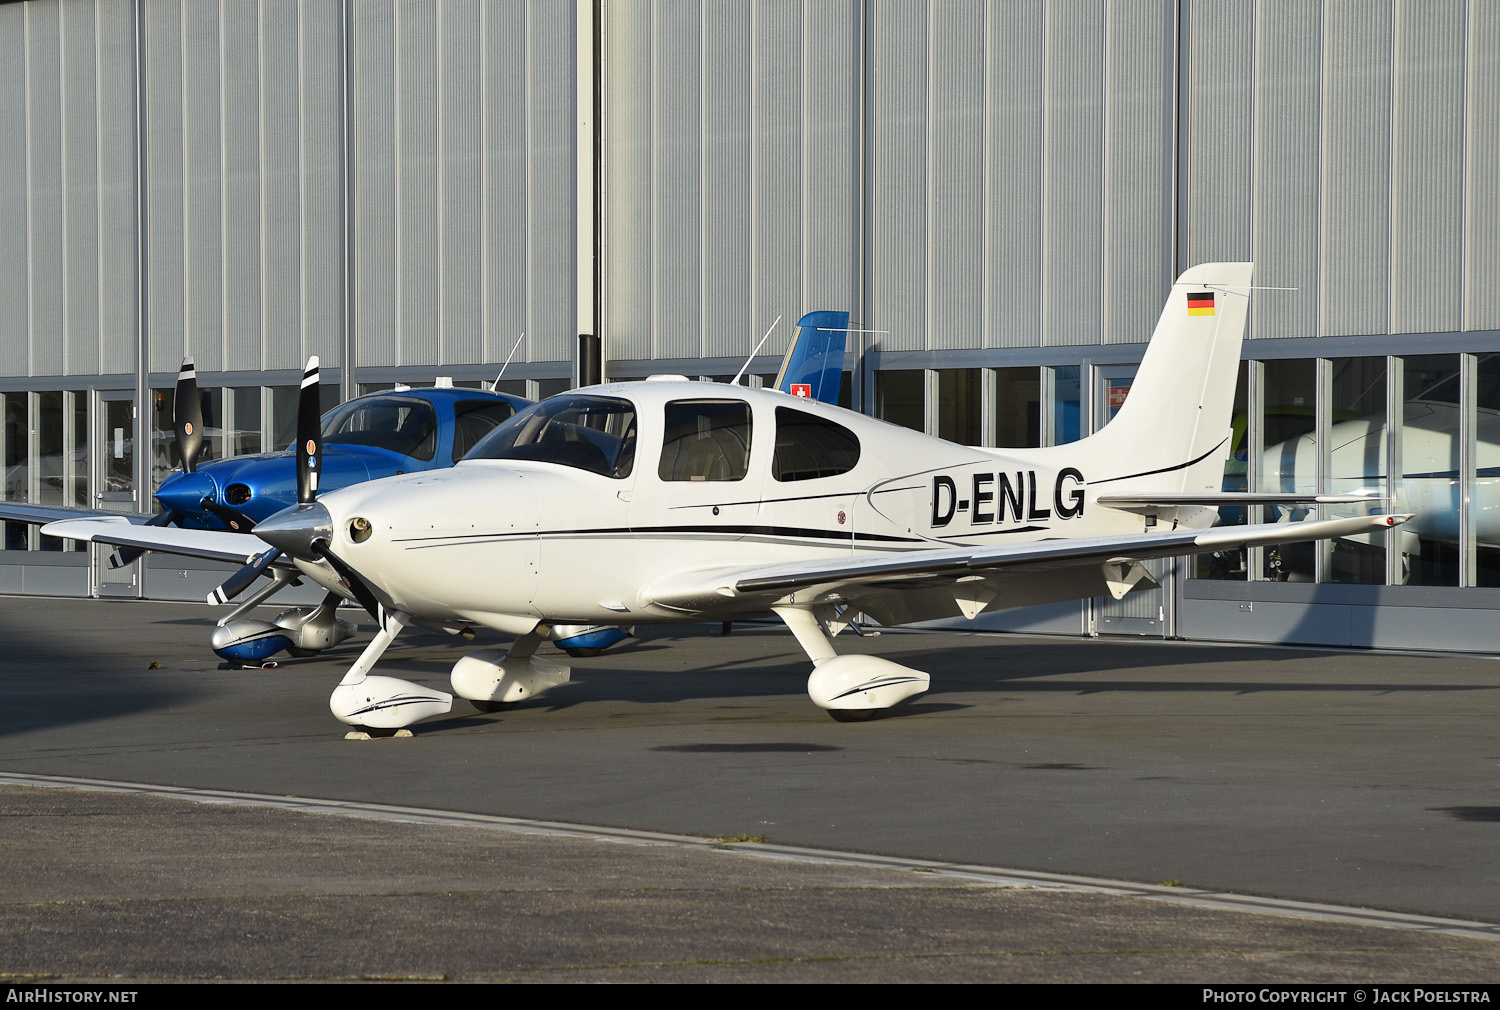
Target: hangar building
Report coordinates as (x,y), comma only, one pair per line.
(1001,192)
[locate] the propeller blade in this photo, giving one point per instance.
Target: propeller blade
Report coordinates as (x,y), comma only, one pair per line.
(309,448)
(241,580)
(187,416)
(125,555)
(233,517)
(357,584)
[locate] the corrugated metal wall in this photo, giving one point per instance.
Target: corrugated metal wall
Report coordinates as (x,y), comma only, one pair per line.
(730,171)
(966,175)
(1342,147)
(67,190)
(1021,179)
(464,163)
(464,154)
(243,183)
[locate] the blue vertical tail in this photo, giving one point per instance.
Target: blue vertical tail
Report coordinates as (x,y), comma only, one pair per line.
(814,362)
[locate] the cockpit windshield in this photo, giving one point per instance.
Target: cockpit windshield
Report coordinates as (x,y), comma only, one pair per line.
(397,423)
(593,433)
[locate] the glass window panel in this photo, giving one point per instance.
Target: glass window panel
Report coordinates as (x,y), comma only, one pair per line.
(244,440)
(1064,405)
(593,433)
(1017,415)
(77,487)
(213,424)
(809,447)
(1116,389)
(164,457)
(284,411)
(705,440)
(17,453)
(899,395)
(1354,462)
(396,423)
(474,419)
(119,447)
(1231,565)
(958,394)
(51,463)
(283,416)
(551,387)
(1484,500)
(1428,482)
(1288,462)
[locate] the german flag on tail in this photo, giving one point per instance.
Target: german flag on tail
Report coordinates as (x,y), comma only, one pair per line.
(1200,303)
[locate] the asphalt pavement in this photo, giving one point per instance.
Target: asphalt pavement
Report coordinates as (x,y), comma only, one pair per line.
(710,818)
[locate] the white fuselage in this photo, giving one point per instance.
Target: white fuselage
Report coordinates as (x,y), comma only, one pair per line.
(507,543)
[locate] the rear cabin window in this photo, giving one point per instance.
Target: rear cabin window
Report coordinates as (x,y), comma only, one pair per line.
(706,440)
(808,447)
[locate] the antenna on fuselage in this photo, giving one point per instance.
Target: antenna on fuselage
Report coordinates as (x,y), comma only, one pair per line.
(738,375)
(495,386)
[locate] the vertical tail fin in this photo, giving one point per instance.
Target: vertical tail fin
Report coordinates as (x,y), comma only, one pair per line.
(814,362)
(1172,433)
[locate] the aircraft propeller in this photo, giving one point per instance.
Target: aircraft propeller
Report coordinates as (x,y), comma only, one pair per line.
(187,428)
(309,455)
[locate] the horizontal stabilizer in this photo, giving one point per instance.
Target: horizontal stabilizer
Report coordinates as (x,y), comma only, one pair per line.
(1150,501)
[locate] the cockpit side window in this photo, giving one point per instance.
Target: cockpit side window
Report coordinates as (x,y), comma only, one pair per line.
(705,440)
(808,447)
(395,423)
(593,433)
(474,419)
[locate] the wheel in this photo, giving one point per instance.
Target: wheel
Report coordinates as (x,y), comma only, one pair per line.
(582,653)
(494,706)
(302,653)
(853,714)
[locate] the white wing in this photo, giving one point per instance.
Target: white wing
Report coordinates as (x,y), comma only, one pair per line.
(922,585)
(214,545)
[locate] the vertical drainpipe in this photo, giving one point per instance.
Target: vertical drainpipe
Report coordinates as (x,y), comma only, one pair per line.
(588,101)
(1174,244)
(346,265)
(862,388)
(1172,591)
(142,424)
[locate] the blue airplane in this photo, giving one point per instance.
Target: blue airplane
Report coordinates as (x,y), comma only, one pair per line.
(377,435)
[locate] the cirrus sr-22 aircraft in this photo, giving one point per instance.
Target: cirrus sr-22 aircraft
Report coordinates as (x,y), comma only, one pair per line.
(672,501)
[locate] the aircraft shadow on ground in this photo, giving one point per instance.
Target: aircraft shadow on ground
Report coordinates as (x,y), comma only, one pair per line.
(664,665)
(49,681)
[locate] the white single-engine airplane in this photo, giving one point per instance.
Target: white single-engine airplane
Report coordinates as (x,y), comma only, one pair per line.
(676,501)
